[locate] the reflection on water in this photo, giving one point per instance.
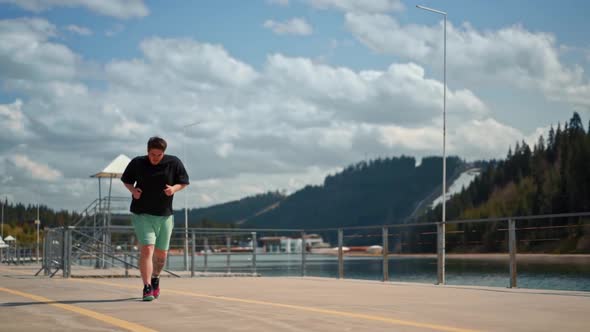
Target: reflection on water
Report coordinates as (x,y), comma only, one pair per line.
(539,273)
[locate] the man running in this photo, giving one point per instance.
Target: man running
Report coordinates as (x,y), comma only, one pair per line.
(152,180)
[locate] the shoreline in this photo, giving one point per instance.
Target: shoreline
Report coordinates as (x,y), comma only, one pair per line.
(560,258)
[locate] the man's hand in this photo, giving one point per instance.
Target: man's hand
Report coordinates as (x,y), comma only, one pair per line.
(136,193)
(170,190)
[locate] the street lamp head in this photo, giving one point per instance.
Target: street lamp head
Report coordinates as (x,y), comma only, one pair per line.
(431,10)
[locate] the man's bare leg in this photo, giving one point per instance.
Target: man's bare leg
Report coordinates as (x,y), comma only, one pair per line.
(159,260)
(145,263)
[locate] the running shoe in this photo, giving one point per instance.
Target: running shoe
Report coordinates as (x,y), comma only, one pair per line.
(156,286)
(148,293)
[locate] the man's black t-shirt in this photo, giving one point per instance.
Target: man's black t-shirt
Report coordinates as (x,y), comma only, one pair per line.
(152,180)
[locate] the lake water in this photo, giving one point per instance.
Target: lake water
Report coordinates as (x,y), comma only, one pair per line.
(539,274)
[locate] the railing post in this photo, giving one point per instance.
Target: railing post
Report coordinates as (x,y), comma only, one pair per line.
(167,256)
(97,248)
(440,253)
(228,257)
(512,249)
(340,254)
(17,253)
(194,241)
(254,245)
(66,254)
(69,253)
(126,266)
(385,253)
(44,260)
(48,254)
(130,249)
(303,253)
(205,248)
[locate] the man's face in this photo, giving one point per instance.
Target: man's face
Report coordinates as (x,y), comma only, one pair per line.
(155,156)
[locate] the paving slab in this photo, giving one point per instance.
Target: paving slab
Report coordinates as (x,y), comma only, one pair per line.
(279,304)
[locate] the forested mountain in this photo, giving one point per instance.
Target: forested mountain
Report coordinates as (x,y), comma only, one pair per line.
(380,191)
(551,177)
(230,213)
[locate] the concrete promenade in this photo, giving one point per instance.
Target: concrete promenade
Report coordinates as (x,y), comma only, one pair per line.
(30,303)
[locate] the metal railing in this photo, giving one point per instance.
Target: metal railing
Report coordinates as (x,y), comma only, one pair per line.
(18,254)
(102,208)
(240,250)
(65,247)
(511,241)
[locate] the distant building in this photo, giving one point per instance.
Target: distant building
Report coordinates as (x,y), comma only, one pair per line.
(287,244)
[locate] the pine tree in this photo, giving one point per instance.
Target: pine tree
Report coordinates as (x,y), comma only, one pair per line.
(576,123)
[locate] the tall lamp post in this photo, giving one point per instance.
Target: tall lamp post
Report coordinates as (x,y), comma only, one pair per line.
(2,225)
(37,222)
(441,227)
(2,244)
(185,195)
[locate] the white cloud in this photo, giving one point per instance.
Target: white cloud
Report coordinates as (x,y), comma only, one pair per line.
(365,6)
(471,139)
(12,121)
(402,94)
(336,138)
(117,8)
(26,52)
(122,126)
(38,171)
(510,55)
(189,61)
(294,26)
(533,138)
(425,139)
(83,31)
(224,150)
(481,139)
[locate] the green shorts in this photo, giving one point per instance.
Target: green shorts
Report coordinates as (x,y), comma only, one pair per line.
(153,230)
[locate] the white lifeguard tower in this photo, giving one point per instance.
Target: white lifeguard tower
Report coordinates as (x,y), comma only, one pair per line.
(97,218)
(114,170)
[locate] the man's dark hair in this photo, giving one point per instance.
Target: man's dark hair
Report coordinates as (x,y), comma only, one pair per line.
(157,143)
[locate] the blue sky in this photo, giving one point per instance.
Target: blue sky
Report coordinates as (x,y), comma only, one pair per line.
(238,26)
(287,91)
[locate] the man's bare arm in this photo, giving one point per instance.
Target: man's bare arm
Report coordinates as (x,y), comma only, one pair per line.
(170,190)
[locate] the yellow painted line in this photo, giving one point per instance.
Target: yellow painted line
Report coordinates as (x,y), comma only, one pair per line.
(20,273)
(92,314)
(304,308)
